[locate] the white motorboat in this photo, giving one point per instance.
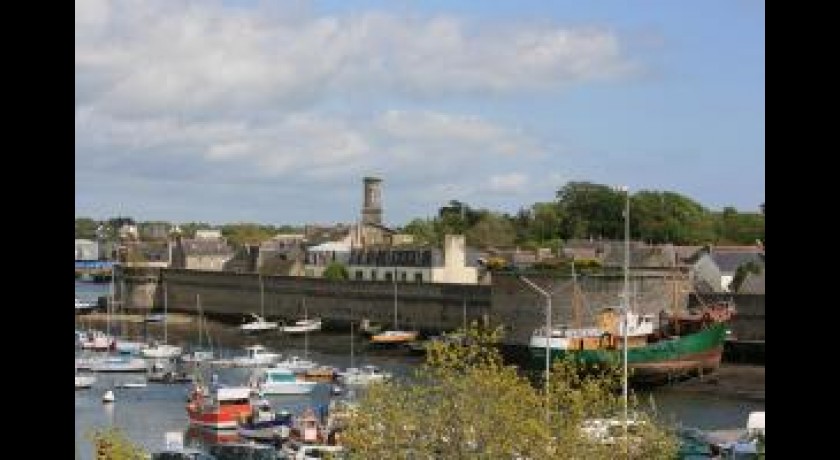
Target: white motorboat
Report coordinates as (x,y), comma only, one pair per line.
(364,375)
(83,306)
(161,350)
(297,365)
(258,324)
(84,381)
(197,356)
(132,384)
(281,381)
(302,326)
(255,356)
(119,364)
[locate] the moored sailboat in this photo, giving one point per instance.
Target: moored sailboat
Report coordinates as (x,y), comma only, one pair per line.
(162,349)
(258,324)
(395,335)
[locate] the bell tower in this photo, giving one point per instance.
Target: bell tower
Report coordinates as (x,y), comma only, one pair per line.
(372,207)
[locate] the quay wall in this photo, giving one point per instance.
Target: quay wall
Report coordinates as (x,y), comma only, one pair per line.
(231,296)
(522,309)
(430,308)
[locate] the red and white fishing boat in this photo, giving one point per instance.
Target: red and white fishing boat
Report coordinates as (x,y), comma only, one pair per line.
(220,409)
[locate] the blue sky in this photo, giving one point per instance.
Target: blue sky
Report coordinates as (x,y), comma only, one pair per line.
(273,111)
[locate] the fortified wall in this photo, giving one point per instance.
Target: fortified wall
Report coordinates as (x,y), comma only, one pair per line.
(231,296)
(430,308)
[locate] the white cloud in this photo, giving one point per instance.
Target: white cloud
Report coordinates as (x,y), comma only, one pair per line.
(508,183)
(201,94)
(136,58)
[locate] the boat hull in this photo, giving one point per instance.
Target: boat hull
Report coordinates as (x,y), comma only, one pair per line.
(224,419)
(162,351)
(258,328)
(663,360)
(264,431)
(120,365)
(84,381)
(391,337)
(291,388)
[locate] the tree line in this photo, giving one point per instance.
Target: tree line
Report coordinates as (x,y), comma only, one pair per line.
(580,210)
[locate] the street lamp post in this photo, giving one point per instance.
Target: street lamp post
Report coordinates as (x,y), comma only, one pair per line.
(547,344)
(625,298)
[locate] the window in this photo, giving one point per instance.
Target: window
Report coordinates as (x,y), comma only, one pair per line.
(404,276)
(418,277)
(359,274)
(389,276)
(373,275)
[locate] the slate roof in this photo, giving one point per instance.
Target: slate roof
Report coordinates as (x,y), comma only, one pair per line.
(206,247)
(729,261)
(753,284)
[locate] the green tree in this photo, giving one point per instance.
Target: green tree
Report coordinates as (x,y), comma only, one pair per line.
(241,234)
(112,444)
(491,230)
(336,271)
(591,210)
(667,217)
(424,231)
(740,228)
(86,228)
(465,402)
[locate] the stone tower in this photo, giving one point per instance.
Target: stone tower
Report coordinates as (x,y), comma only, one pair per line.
(372,207)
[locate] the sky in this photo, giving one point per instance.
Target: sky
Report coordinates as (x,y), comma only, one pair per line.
(274,111)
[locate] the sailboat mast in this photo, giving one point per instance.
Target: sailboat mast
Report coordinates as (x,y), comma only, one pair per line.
(395,301)
(110,306)
(198,310)
(305,331)
(352,349)
(464,314)
(262,297)
(165,312)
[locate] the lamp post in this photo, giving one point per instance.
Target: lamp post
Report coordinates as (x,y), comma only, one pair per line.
(547,296)
(625,299)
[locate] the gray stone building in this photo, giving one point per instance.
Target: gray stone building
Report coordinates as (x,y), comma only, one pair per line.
(201,253)
(87,250)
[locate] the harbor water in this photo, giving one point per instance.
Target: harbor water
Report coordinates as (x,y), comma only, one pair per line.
(146,414)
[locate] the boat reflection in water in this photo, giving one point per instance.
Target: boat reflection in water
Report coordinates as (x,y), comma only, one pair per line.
(202,437)
(228,445)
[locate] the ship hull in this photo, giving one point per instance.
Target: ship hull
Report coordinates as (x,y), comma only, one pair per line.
(664,360)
